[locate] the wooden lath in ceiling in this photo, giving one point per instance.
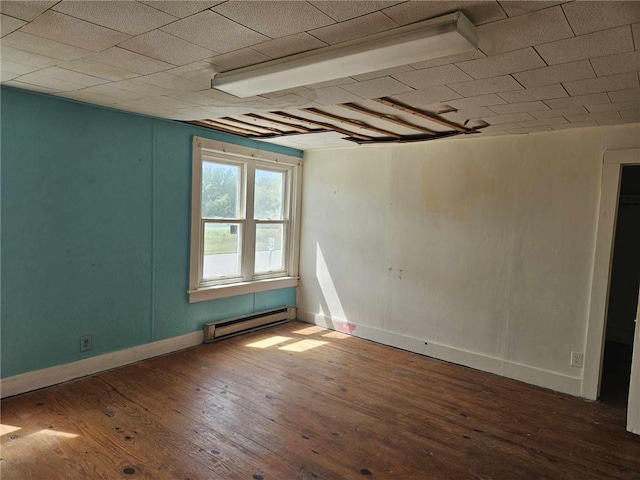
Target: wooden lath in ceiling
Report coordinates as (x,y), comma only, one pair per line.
(387,121)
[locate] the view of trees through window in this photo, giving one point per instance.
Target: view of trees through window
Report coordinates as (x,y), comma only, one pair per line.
(221,199)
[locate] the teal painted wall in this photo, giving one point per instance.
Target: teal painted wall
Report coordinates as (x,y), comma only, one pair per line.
(95,232)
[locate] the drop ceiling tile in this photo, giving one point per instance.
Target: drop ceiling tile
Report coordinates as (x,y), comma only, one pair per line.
(614,107)
(114,93)
(171,82)
(623,81)
(559,112)
(379,87)
(589,17)
(183,8)
(630,114)
(572,102)
(356,28)
(543,121)
(89,97)
(624,95)
(43,46)
(598,44)
(222,98)
(26,58)
(133,18)
(65,29)
(502,64)
(134,85)
(479,101)
(341,11)
(511,118)
(430,77)
(523,31)
(519,107)
(159,102)
(567,126)
(49,82)
(329,83)
(71,76)
(329,95)
(474,88)
(131,61)
(25,10)
(167,48)
(6,76)
(275,18)
(620,63)
(237,59)
(419,98)
(383,73)
(564,72)
(471,113)
(16,68)
(621,121)
(28,86)
(588,117)
(513,8)
(636,34)
(479,12)
(536,93)
(289,45)
(195,98)
(446,60)
(100,70)
(514,131)
(200,72)
(215,32)
(9,24)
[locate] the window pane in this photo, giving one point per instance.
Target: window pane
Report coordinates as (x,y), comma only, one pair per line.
(269,195)
(222,250)
(220,190)
(269,251)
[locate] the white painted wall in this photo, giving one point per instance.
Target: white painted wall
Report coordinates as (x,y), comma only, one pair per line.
(483,248)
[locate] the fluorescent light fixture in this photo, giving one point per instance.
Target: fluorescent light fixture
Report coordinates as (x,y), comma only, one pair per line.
(438,37)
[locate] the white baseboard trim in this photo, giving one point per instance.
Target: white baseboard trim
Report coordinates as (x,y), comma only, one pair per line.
(524,373)
(46,377)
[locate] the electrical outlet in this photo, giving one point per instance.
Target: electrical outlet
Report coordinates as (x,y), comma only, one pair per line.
(576,359)
(85,343)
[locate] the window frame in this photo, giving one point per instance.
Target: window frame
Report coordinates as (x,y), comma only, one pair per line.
(250,159)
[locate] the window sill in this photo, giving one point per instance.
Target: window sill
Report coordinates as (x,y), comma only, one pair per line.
(242,288)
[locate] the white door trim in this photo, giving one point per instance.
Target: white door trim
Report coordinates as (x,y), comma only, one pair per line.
(633,408)
(613,162)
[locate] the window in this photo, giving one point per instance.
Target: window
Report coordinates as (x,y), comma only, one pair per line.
(244,225)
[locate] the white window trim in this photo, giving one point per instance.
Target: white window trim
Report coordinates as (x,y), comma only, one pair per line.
(199,293)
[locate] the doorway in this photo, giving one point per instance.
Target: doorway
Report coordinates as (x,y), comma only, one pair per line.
(623,291)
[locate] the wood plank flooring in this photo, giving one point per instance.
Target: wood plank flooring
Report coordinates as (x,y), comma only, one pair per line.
(300,402)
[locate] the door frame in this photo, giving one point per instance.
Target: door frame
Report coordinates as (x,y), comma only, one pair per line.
(613,162)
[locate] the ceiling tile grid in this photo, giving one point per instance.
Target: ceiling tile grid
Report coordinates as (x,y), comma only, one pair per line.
(540,65)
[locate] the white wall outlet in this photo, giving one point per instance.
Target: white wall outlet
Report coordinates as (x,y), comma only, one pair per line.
(577,359)
(85,343)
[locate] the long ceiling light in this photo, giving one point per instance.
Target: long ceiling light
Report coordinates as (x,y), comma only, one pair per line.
(438,37)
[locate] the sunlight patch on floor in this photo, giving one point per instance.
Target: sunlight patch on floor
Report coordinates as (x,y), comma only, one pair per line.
(338,335)
(56,433)
(4,429)
(303,345)
(310,330)
(268,342)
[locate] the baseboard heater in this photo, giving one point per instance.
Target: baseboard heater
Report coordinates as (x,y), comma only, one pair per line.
(236,326)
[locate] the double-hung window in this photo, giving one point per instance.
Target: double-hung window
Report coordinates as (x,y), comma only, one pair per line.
(244,222)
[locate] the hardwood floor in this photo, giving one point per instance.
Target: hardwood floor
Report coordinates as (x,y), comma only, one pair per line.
(300,402)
